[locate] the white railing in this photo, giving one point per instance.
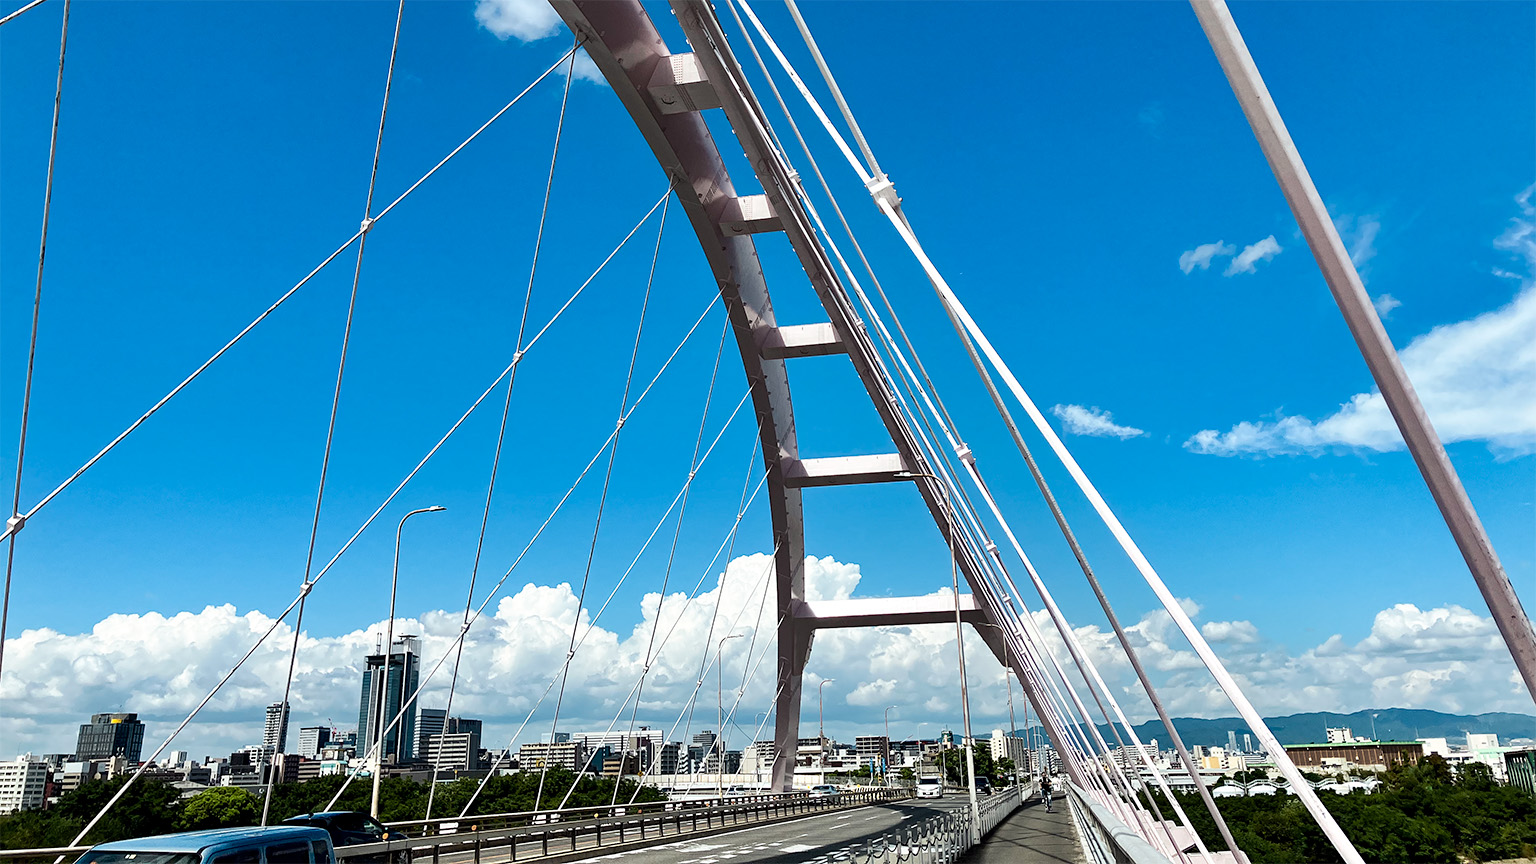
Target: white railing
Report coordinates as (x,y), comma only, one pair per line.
(1106,839)
(939,839)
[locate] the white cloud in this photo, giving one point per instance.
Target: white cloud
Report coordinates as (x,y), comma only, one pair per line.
(1246,260)
(1385,303)
(530,21)
(1230,631)
(1446,658)
(1093,421)
(1359,236)
(1201,255)
(1476,379)
(524,20)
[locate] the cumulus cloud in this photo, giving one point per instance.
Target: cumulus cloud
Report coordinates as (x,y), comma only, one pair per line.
(1093,421)
(1201,255)
(1230,631)
(1248,259)
(1385,303)
(531,21)
(523,20)
(1476,379)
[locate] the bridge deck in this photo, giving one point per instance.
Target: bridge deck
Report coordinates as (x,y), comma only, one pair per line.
(1031,836)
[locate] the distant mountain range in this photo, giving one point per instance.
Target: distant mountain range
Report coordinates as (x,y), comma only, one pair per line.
(1391,724)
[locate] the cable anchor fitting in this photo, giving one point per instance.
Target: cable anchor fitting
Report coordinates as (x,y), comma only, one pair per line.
(15,524)
(308,586)
(367,225)
(883,191)
(964,454)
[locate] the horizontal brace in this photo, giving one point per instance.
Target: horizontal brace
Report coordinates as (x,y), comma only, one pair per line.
(800,340)
(679,85)
(844,470)
(885,611)
(749,214)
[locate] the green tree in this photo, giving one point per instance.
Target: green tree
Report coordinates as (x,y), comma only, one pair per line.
(220,807)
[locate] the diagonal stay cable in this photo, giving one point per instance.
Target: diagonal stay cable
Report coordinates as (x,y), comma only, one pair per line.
(309,585)
(15,520)
(550,518)
(459,641)
(330,429)
(602,500)
(735,526)
(506,411)
(27,8)
(14,525)
(666,575)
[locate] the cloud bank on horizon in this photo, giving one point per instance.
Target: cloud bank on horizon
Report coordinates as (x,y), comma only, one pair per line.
(1447,658)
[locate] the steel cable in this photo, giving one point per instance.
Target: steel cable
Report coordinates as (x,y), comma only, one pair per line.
(330,431)
(506,410)
(14,523)
(12,527)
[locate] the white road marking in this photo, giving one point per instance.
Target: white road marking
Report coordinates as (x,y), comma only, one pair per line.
(799,847)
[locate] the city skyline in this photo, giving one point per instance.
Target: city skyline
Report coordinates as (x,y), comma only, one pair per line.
(1246,449)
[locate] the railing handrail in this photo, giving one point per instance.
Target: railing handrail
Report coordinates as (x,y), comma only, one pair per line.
(1117,841)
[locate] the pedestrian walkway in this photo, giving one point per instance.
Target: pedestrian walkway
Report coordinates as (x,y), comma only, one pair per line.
(1031,836)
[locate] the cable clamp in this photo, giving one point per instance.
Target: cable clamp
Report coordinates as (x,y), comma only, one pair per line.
(367,225)
(619,425)
(308,586)
(691,475)
(16,523)
(517,357)
(464,628)
(991,548)
(964,454)
(569,655)
(883,191)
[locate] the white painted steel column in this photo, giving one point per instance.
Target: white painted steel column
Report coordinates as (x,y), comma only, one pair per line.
(1371,337)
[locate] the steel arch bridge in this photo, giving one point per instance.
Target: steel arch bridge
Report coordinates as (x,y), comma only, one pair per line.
(665,93)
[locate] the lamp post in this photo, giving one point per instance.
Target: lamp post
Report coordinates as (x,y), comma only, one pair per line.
(965,699)
(821,729)
(887,762)
(720,718)
(389,639)
(1013,726)
(757,757)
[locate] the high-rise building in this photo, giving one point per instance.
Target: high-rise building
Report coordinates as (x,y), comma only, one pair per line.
(456,745)
(1232,740)
(389,686)
(109,735)
(429,722)
(275,735)
(312,739)
(23,784)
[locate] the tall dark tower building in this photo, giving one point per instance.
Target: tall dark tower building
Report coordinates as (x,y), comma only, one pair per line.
(397,684)
(109,735)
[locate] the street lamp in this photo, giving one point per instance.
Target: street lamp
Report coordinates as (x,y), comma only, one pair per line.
(720,719)
(965,698)
(389,639)
(888,744)
(757,757)
(1013,725)
(821,729)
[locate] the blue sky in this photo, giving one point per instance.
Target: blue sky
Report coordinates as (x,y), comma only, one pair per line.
(1057,159)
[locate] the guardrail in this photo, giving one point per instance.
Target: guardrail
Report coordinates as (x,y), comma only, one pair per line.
(1106,839)
(529,835)
(940,839)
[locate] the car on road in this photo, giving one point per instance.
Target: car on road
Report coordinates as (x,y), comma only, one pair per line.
(983,786)
(824,791)
(930,787)
(351,828)
(276,845)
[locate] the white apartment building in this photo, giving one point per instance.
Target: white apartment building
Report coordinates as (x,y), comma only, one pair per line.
(1005,746)
(23,783)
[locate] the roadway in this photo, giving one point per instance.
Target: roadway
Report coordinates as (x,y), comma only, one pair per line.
(806,840)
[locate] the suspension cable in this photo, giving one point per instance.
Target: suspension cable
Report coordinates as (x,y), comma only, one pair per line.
(309,585)
(730,536)
(14,523)
(672,553)
(330,430)
(506,410)
(8,18)
(592,624)
(602,499)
